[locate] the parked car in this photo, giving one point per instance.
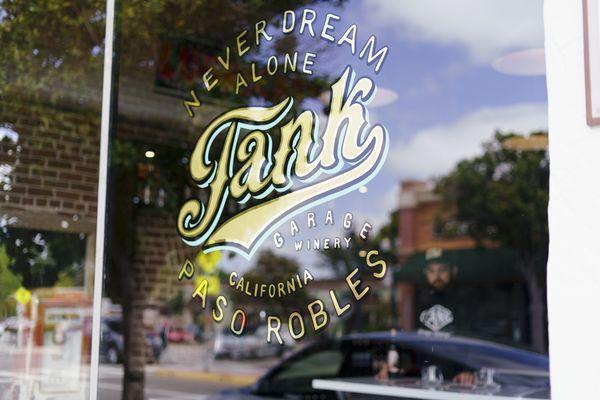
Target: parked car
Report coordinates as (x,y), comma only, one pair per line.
(111,344)
(9,328)
(250,345)
(178,334)
(357,355)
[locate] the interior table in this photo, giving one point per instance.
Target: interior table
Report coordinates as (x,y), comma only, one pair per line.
(413,389)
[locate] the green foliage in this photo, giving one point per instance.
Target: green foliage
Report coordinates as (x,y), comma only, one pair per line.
(272,268)
(42,257)
(176,304)
(47,42)
(64,280)
(341,260)
(9,281)
(502,196)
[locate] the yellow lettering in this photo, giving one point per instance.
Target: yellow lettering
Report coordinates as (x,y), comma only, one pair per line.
(354,284)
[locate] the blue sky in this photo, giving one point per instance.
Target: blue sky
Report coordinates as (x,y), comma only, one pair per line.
(441,66)
(445,73)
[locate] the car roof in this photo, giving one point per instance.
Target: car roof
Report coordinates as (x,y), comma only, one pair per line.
(476,353)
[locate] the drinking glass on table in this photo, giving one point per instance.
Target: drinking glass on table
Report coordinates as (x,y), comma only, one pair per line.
(485,377)
(431,375)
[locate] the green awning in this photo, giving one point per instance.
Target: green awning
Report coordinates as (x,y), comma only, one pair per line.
(474,266)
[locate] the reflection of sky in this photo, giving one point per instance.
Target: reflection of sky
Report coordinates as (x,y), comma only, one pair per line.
(7,132)
(449,98)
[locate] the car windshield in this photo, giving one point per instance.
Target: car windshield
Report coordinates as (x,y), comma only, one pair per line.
(453,355)
(478,354)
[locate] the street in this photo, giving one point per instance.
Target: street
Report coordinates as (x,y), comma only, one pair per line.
(185,371)
(158,387)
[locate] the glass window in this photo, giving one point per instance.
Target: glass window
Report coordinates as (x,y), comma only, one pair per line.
(288,173)
(50,91)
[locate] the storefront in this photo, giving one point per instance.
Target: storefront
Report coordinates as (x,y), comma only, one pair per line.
(297,199)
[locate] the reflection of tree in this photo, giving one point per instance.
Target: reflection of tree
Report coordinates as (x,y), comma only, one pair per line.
(502,196)
(141,27)
(342,261)
(47,42)
(9,281)
(43,258)
(215,22)
(272,268)
(56,46)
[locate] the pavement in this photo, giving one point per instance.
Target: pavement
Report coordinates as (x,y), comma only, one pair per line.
(159,387)
(196,361)
(184,371)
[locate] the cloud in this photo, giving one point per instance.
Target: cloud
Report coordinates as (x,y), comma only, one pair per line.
(486,28)
(434,151)
(383,97)
(6,131)
(525,62)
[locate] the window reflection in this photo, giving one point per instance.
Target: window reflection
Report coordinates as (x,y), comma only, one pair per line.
(50,85)
(457,213)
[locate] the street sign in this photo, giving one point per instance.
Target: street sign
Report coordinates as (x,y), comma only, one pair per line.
(214,284)
(22,295)
(208,261)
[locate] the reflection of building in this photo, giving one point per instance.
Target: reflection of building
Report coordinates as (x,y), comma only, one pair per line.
(49,150)
(487,285)
(52,162)
(49,155)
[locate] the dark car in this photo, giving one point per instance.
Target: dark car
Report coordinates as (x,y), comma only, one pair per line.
(111,344)
(357,356)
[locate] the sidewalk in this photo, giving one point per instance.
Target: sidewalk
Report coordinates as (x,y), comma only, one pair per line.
(178,361)
(195,361)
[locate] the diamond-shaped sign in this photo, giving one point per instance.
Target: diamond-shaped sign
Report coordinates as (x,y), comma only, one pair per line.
(22,295)
(208,261)
(214,285)
(436,318)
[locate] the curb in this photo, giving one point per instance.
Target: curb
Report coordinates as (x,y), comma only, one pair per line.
(241,379)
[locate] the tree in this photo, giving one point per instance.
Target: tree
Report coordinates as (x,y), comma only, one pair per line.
(140,27)
(51,48)
(271,268)
(9,281)
(342,261)
(54,49)
(502,197)
(40,257)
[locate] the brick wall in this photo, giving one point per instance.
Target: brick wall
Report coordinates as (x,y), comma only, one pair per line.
(49,180)
(52,166)
(419,209)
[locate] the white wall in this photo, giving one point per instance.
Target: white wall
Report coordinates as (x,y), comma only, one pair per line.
(574,211)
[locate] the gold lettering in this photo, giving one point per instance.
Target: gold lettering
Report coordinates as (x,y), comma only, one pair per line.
(338,310)
(238,312)
(354,284)
(200,291)
(317,313)
(248,168)
(273,329)
(372,264)
(217,312)
(296,316)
